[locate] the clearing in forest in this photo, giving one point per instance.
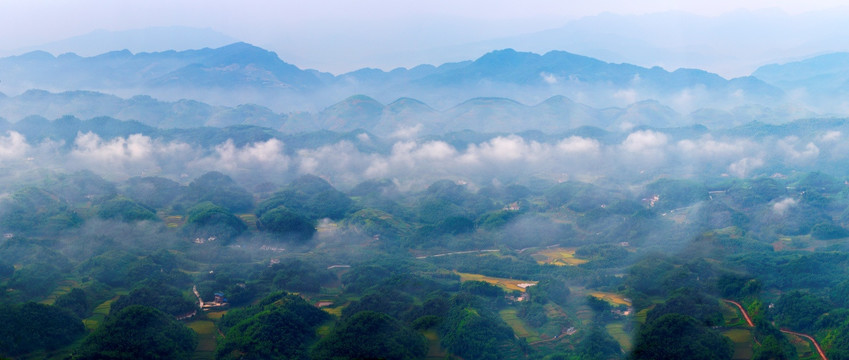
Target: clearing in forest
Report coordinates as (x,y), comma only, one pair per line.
(435,351)
(509,284)
(521,330)
(64,287)
(613,298)
(207,333)
(99,314)
(742,339)
(617,331)
(558,256)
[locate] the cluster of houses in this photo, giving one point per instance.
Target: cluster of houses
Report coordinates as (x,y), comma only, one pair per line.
(200,240)
(218,302)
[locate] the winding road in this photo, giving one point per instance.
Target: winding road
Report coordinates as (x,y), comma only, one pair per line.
(200,301)
(749,322)
(809,337)
(742,311)
(457,253)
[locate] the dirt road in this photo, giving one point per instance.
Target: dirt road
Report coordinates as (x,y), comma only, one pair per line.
(809,337)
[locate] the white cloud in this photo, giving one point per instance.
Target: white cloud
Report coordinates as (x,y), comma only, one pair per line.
(830,136)
(548,78)
(407,132)
(743,167)
(643,140)
(136,154)
(578,145)
(708,149)
(13,146)
(792,151)
(627,96)
(781,207)
(263,155)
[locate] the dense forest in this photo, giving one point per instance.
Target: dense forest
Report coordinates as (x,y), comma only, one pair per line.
(212,268)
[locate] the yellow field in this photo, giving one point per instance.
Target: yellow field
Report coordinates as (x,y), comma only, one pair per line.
(98,314)
(337,311)
(173,221)
(509,284)
(249,220)
(558,256)
(611,298)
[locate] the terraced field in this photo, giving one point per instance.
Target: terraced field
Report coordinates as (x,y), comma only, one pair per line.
(558,256)
(508,284)
(207,334)
(99,314)
(64,287)
(613,298)
(617,331)
(731,315)
(519,328)
(803,347)
(742,339)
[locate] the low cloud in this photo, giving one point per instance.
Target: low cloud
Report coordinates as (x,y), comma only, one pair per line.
(548,78)
(644,140)
(745,166)
(781,207)
(124,157)
(417,163)
(258,156)
(796,150)
(13,146)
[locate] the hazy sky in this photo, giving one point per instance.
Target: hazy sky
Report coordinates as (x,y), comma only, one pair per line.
(318,33)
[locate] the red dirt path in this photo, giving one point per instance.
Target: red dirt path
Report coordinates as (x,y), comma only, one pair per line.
(809,337)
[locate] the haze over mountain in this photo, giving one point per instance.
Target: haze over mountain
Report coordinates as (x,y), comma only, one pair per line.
(817,81)
(732,44)
(402,118)
(161,38)
(208,199)
(242,73)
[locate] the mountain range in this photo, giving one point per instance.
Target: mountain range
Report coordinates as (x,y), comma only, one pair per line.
(403,117)
(244,84)
(242,73)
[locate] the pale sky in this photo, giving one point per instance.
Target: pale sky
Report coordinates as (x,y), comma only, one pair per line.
(307,32)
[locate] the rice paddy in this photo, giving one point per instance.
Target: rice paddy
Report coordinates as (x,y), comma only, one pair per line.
(558,256)
(64,287)
(613,298)
(617,331)
(99,314)
(508,284)
(742,339)
(207,334)
(519,328)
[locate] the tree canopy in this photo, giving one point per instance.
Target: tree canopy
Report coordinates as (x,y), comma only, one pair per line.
(139,332)
(371,335)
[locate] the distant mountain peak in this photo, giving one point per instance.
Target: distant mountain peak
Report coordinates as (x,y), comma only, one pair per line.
(505,57)
(150,39)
